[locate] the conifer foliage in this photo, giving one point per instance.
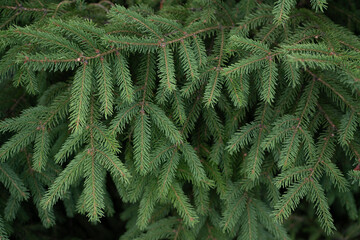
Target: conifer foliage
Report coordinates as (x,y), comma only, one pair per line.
(208,119)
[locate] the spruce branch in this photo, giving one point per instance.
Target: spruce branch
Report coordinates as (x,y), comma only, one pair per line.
(212,119)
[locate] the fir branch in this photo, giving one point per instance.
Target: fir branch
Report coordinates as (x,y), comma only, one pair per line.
(212,90)
(238,90)
(178,105)
(123,117)
(188,63)
(233,211)
(62,183)
(150,82)
(348,127)
(166,68)
(194,163)
(270,78)
(318,197)
(282,9)
(137,18)
(168,174)
(113,165)
(80,94)
(164,124)
(72,143)
(182,204)
(123,78)
(290,200)
(244,66)
(11,181)
(41,149)
(242,138)
(16,143)
(105,86)
(93,188)
(146,208)
(3,233)
(142,142)
(249,229)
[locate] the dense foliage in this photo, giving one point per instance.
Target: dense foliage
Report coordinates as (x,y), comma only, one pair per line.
(179,119)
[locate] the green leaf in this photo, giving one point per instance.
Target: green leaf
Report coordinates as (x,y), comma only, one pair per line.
(199,50)
(47,216)
(202,200)
(281,130)
(291,175)
(292,73)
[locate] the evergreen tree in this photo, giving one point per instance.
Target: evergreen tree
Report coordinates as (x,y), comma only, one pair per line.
(196,119)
